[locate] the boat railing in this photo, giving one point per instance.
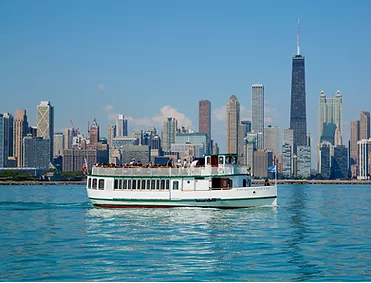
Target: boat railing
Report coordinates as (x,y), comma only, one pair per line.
(168,172)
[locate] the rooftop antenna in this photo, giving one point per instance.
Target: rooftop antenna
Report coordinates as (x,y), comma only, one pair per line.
(298,38)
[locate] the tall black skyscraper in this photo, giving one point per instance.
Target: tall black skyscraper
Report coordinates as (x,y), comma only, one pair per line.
(298,116)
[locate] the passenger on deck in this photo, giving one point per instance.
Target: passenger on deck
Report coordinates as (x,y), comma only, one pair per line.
(185,163)
(266,183)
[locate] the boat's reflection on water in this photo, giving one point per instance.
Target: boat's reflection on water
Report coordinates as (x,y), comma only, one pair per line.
(179,242)
(166,217)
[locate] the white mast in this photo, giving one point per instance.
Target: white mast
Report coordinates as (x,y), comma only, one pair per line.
(298,37)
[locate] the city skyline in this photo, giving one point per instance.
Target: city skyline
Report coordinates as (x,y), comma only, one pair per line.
(108,80)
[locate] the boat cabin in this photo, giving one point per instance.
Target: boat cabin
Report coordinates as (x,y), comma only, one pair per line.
(221,160)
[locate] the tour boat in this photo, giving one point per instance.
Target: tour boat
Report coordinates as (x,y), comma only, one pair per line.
(213,181)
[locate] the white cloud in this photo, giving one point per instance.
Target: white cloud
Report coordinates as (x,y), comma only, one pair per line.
(107,107)
(155,121)
(167,112)
(219,114)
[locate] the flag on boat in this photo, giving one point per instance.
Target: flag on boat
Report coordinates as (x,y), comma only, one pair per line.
(272,168)
(84,166)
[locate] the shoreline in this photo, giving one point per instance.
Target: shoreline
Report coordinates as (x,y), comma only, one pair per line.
(279,182)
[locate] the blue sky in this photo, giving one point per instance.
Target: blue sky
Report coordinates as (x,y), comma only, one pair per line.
(151,59)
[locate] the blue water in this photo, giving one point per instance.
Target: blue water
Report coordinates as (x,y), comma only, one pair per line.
(317,233)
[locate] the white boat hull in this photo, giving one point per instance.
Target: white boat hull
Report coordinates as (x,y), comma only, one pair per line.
(233,198)
(239,203)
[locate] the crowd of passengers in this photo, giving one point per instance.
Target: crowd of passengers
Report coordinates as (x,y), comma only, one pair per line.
(133,164)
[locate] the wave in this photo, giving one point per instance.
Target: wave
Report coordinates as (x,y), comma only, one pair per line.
(31,205)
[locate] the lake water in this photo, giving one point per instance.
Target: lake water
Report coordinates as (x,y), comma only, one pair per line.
(317,233)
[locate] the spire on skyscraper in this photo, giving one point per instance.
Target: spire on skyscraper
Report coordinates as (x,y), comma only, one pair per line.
(298,37)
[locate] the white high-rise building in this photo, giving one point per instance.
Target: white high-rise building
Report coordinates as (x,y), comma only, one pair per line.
(68,134)
(288,138)
(363,161)
(250,146)
(58,144)
(170,126)
(111,134)
(287,167)
(272,140)
(303,161)
(257,107)
(121,126)
(45,123)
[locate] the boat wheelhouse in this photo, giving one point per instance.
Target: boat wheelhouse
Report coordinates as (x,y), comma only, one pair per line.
(213,181)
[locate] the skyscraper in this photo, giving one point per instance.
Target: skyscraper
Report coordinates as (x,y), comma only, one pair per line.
(58,144)
(363,159)
(298,117)
(36,152)
(233,120)
(170,126)
(339,163)
(325,159)
(68,134)
(287,160)
(303,161)
(1,141)
(288,144)
(330,117)
(111,134)
(121,126)
(250,146)
(20,131)
(272,140)
(204,118)
(258,112)
(8,122)
(45,123)
(94,132)
(247,124)
(354,138)
(364,125)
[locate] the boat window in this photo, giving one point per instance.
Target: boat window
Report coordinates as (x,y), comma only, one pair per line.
(221,160)
(208,160)
(89,183)
(244,183)
(168,184)
(116,184)
(148,184)
(94,184)
(101,184)
(228,160)
(153,185)
(143,184)
(158,185)
(175,185)
(134,184)
(162,184)
(129,184)
(234,160)
(120,184)
(125,184)
(230,183)
(138,184)
(224,183)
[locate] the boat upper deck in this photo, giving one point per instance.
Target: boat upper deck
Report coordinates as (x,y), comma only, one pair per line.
(210,165)
(169,172)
